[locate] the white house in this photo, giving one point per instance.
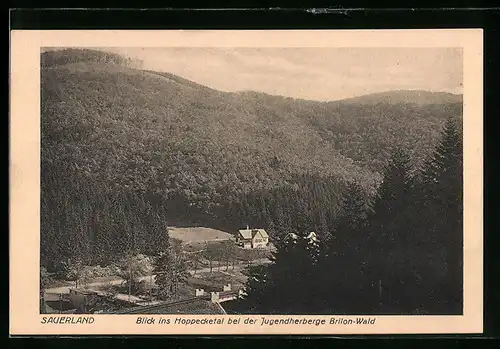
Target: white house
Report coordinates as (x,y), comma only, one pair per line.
(311,236)
(252,238)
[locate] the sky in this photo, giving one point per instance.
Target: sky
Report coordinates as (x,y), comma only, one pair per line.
(310,73)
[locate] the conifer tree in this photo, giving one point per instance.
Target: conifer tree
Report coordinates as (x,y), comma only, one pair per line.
(290,284)
(281,222)
(256,298)
(346,252)
(441,204)
(388,228)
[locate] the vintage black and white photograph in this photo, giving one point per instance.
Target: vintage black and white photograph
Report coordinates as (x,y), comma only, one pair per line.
(251,180)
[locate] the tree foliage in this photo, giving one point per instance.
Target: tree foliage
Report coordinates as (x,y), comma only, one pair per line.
(120,143)
(400,254)
(170,269)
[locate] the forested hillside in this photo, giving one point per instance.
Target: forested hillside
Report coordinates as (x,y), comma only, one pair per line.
(125,152)
(402,254)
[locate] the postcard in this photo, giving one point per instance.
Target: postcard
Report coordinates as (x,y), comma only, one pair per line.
(246,182)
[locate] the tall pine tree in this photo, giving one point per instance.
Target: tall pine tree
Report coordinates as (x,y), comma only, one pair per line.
(441,205)
(162,268)
(387,231)
(345,266)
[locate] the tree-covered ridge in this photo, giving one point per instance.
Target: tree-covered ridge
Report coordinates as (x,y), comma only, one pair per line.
(54,57)
(130,112)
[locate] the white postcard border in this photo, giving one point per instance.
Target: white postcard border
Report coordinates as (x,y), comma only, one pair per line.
(25,177)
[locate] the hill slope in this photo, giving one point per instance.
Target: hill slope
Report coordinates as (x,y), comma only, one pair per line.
(103,121)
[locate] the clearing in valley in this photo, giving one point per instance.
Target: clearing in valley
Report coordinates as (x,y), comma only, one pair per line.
(198,234)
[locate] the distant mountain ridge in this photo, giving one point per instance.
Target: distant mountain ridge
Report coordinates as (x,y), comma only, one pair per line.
(419,97)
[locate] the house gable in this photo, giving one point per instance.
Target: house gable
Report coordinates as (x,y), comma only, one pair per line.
(260,236)
(252,237)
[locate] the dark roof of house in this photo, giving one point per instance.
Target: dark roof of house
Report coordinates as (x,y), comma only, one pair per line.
(188,306)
